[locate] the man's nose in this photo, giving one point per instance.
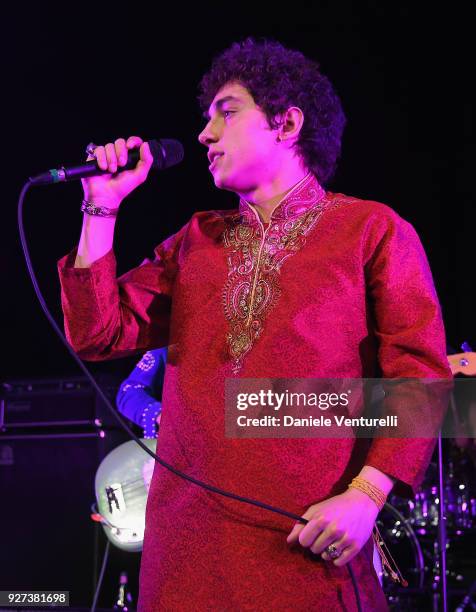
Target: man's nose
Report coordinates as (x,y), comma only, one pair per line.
(208,135)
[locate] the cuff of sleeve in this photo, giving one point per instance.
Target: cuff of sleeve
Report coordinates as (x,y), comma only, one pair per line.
(405,460)
(149,419)
(87,296)
(105,264)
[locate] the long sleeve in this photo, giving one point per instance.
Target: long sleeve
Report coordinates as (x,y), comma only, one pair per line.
(411,344)
(106,317)
(140,393)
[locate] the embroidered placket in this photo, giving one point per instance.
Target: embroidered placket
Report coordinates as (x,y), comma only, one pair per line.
(255,280)
(252,287)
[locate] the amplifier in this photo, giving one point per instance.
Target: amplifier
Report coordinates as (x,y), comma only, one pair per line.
(48,540)
(53,435)
(56,403)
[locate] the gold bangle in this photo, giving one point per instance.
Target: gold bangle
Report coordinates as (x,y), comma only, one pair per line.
(376,495)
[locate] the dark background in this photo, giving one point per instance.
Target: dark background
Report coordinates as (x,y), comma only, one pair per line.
(98,74)
(79,73)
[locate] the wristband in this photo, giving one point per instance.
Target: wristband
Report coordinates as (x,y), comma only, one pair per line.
(98,211)
(375,494)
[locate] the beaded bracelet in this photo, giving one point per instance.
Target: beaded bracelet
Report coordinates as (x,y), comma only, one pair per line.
(375,494)
(97,211)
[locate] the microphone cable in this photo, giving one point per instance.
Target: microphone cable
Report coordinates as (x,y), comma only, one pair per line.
(120,419)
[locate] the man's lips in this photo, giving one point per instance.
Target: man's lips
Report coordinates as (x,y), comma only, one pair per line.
(215,159)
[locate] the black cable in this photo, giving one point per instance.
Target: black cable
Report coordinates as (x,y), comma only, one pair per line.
(119,418)
(101,576)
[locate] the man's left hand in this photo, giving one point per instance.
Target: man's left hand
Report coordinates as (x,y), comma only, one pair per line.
(346,521)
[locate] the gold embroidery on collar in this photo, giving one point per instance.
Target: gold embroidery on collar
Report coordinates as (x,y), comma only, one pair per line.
(254,261)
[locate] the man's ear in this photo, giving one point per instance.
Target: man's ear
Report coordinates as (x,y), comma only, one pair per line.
(290,124)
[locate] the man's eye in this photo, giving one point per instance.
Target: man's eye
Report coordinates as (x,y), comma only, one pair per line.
(227,112)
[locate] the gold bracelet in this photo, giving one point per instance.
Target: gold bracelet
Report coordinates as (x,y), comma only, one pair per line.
(376,495)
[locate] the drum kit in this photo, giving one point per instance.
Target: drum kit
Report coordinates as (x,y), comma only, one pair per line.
(432,537)
(411,529)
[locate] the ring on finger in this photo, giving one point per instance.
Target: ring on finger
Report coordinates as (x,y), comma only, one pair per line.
(333,552)
(91,148)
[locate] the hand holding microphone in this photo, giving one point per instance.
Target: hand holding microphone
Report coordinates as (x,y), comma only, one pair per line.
(110,189)
(118,168)
(110,174)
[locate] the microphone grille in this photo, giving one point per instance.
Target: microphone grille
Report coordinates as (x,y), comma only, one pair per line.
(167,152)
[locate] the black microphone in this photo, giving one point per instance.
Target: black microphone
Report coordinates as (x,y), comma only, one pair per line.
(166,153)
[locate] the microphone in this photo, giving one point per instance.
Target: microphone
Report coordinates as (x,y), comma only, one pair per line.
(166,153)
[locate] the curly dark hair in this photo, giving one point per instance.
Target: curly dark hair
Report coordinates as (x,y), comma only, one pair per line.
(278,78)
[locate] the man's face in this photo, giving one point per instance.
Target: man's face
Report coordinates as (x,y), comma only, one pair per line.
(241,146)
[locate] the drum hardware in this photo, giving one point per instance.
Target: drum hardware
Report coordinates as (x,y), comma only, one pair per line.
(412,531)
(124,597)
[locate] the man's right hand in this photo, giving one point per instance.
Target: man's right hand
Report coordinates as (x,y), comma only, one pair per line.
(110,189)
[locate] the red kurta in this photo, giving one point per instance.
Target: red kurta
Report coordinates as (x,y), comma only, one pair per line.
(334,287)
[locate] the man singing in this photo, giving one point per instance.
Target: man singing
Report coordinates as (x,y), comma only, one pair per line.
(297,282)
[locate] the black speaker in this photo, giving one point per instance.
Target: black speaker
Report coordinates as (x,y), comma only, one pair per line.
(48,540)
